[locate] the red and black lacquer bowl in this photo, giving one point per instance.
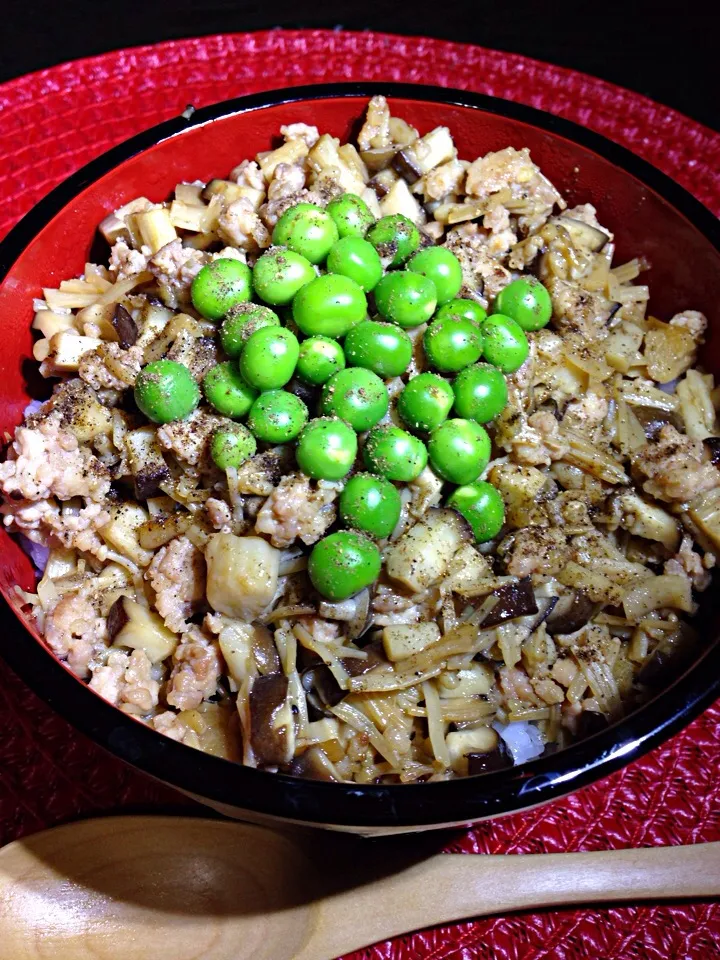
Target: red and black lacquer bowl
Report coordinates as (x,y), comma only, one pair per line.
(650,215)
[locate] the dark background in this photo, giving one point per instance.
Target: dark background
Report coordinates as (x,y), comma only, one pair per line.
(667,50)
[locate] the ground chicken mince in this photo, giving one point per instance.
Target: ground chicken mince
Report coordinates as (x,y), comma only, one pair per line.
(529,524)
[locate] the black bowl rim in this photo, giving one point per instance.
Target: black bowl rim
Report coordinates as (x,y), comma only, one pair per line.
(362,806)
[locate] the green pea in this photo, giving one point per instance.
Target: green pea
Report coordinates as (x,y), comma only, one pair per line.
(483,508)
(395,454)
(504,343)
(459,450)
(425,402)
(357,396)
(480,392)
(343,564)
(526,301)
(442,267)
(166,391)
(241,322)
(462,309)
(232,446)
(452,343)
(356,258)
(371,504)
(220,285)
(308,230)
(405,298)
(326,449)
(277,416)
(351,215)
(329,306)
(279,274)
(395,238)
(381,347)
(226,389)
(269,357)
(320,358)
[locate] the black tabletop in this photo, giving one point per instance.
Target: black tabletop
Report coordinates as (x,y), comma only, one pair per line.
(665,50)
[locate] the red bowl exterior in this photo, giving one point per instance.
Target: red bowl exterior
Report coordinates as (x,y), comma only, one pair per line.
(651,217)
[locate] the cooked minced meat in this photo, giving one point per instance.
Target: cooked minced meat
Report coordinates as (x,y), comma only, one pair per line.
(183,584)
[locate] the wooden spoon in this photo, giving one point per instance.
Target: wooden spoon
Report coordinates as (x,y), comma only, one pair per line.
(171,888)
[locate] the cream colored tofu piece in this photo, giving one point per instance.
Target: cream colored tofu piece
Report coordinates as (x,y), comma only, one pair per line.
(402,640)
(67,349)
(121,532)
(475,681)
(462,742)
(145,630)
(242,575)
(649,521)
(421,556)
(398,199)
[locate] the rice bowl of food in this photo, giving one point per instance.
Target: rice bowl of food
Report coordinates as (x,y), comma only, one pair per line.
(373,477)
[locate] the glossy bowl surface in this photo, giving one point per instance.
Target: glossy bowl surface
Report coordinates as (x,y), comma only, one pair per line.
(651,217)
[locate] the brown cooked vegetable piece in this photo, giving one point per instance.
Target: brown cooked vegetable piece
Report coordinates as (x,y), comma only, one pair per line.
(271,727)
(513,600)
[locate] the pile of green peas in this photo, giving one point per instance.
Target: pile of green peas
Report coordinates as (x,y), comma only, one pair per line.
(328,341)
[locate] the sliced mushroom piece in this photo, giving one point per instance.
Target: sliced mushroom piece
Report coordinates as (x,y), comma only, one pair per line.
(513,600)
(322,690)
(313,765)
(652,420)
(272,731)
(356,666)
(590,722)
(124,326)
(713,447)
(546,605)
(572,611)
(584,235)
(360,622)
(382,182)
(405,163)
(264,650)
(355,612)
(497,759)
(377,158)
(669,660)
(147,463)
(425,154)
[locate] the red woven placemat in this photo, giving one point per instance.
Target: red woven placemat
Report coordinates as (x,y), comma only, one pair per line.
(56,120)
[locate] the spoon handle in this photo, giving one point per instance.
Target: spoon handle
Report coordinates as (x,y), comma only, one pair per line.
(452,887)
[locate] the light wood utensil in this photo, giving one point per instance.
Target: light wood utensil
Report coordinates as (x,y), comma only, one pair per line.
(179,888)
